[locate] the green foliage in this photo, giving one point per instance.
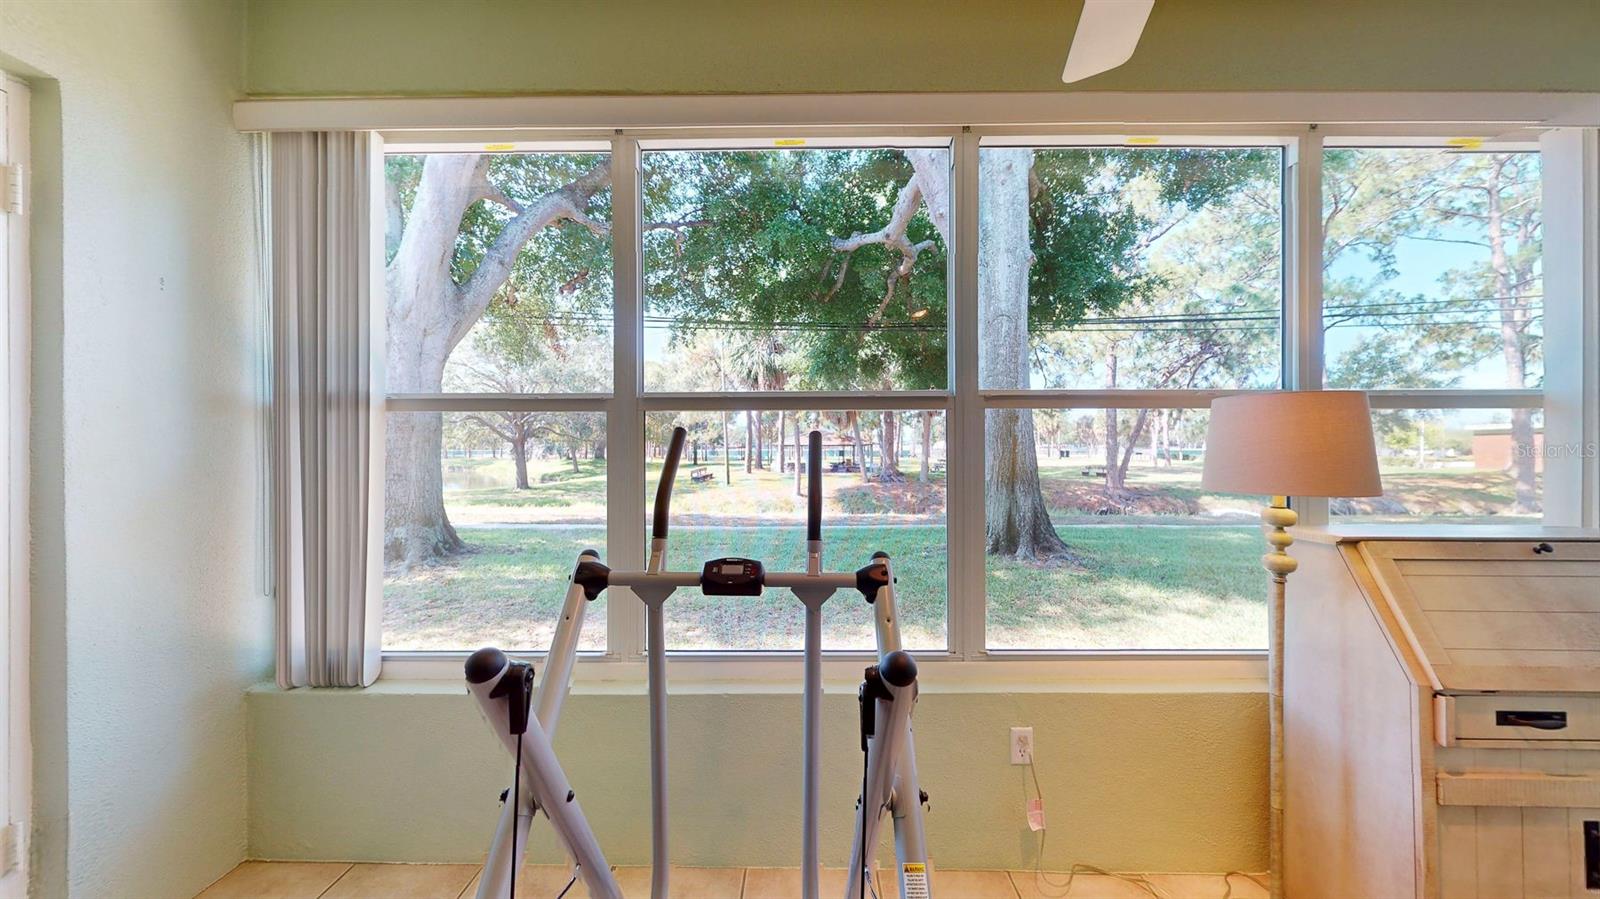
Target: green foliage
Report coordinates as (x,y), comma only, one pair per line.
(1485,209)
(1161,268)
(759,261)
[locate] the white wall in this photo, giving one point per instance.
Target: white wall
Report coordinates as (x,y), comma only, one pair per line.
(148,622)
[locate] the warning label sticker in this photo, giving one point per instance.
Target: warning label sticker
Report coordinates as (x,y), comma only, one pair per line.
(914,876)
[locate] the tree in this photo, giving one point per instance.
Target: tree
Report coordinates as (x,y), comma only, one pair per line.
(469,218)
(828,265)
(1484,309)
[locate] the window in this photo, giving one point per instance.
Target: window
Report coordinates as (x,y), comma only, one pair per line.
(795,269)
(739,492)
(1124,270)
(524,493)
(1461,466)
(499,271)
(1433,282)
(1009,344)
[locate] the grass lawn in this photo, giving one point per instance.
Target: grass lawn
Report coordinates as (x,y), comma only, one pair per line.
(1170,568)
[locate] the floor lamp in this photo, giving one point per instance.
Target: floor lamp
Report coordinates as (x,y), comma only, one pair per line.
(1314,443)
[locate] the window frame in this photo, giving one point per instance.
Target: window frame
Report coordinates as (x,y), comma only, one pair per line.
(963,403)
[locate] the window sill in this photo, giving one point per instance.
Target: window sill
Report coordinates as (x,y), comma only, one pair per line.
(1195,672)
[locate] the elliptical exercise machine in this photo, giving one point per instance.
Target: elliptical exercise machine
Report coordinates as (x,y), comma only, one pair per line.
(887,695)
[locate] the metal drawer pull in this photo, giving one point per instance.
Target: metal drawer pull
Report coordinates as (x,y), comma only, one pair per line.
(1540,720)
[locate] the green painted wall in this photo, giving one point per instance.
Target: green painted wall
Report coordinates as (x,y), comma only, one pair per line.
(148,624)
(757,46)
(1134,778)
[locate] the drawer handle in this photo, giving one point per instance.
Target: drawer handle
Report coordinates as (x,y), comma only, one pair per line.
(1540,720)
(1542,548)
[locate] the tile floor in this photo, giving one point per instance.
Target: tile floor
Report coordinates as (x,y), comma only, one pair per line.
(342,880)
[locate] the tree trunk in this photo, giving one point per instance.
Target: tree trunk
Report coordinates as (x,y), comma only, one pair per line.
(927,447)
(861,450)
(427,314)
(749,435)
(727,457)
(783,442)
(1113,436)
(519,453)
(1523,462)
(572,453)
(799,461)
(889,446)
(1119,471)
(761,440)
(415,527)
(1018,523)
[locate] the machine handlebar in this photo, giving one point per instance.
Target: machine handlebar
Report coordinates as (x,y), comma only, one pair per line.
(669,471)
(814,488)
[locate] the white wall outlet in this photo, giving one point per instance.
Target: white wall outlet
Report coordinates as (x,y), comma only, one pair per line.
(1021,745)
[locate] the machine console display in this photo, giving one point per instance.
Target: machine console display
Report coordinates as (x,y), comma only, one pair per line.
(732,577)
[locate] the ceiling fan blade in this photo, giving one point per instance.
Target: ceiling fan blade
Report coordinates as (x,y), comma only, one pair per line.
(1108,31)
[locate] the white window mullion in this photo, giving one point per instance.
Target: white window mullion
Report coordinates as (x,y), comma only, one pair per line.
(1302,283)
(964,485)
(1571,184)
(624,418)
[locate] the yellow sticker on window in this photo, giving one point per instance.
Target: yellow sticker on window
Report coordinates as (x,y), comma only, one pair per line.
(1466,143)
(498,148)
(789,142)
(1142,140)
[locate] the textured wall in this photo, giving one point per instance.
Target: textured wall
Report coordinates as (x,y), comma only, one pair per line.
(1133,779)
(148,625)
(755,46)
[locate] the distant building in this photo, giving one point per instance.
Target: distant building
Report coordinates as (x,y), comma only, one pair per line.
(1492,449)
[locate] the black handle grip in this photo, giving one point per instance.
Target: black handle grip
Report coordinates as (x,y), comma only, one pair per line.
(1539,720)
(814,488)
(669,472)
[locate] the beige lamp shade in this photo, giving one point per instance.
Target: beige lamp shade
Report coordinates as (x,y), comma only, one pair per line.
(1292,443)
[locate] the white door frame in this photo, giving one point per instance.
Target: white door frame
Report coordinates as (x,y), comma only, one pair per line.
(16,763)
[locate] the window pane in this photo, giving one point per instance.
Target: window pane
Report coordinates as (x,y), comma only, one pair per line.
(1119,267)
(1101,538)
(795,269)
(1460,466)
(493,512)
(1431,269)
(499,273)
(737,494)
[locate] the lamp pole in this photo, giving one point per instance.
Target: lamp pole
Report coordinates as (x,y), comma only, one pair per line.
(1277,518)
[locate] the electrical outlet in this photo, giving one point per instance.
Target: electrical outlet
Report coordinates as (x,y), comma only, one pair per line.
(1021,745)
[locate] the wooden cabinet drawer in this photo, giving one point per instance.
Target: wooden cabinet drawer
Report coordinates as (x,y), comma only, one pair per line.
(1518,717)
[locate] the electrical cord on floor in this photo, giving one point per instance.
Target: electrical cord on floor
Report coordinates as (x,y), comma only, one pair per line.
(567,887)
(1040,877)
(1228,880)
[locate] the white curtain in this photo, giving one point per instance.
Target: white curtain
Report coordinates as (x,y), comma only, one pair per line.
(327,339)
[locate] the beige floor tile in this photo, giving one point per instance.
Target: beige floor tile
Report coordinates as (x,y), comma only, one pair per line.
(1054,885)
(542,882)
(701,883)
(784,883)
(276,880)
(962,884)
(373,881)
(1209,886)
